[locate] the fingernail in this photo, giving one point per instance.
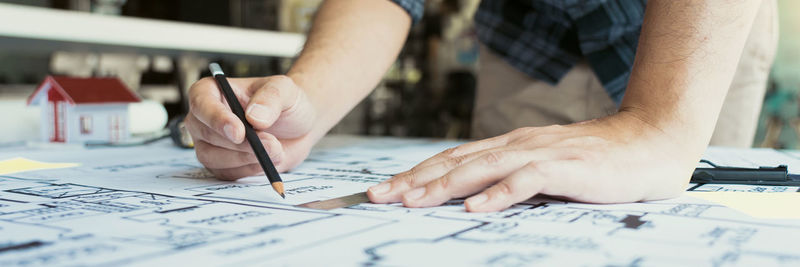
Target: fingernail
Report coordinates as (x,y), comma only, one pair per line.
(477,200)
(257,112)
(228,129)
(380,188)
(415,194)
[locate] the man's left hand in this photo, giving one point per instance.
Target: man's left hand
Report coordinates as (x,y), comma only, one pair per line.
(614,159)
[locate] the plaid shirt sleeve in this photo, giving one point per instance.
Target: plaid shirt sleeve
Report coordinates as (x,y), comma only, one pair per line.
(415,8)
(546,38)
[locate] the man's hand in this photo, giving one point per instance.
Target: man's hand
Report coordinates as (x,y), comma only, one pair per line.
(349,48)
(615,159)
(687,55)
(279,111)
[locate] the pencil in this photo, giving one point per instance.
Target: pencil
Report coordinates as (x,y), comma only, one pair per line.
(250,134)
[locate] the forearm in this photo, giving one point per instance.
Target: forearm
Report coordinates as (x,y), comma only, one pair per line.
(687,56)
(350,47)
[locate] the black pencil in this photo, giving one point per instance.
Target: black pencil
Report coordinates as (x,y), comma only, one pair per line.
(250,134)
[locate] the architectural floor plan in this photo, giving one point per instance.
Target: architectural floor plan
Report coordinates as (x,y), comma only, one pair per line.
(157,206)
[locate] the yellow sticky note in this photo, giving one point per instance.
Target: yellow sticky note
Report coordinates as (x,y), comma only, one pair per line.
(759,205)
(23,164)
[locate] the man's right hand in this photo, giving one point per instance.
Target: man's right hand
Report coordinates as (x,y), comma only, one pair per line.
(276,106)
(350,46)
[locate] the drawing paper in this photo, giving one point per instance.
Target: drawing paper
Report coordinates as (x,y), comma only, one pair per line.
(156,206)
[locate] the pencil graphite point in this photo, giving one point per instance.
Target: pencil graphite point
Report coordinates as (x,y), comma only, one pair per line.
(278,187)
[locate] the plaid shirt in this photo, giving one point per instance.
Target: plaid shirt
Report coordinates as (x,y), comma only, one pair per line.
(546,38)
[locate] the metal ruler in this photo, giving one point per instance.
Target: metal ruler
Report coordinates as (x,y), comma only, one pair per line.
(339,202)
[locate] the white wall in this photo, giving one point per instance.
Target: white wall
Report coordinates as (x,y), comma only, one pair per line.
(101,119)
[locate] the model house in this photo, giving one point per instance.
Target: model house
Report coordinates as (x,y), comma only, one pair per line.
(76,110)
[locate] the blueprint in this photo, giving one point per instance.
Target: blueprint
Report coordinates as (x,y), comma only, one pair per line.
(156,206)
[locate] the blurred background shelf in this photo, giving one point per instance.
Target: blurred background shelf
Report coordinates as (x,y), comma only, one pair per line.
(46,28)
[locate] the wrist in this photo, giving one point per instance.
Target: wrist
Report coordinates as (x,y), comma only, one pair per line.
(665,153)
(667,140)
(310,87)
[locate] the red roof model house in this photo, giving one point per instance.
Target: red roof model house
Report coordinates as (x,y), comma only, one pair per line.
(83,109)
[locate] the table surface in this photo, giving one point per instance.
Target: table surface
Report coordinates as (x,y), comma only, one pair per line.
(156,205)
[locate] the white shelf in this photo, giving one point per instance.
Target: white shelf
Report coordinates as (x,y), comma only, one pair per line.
(24,26)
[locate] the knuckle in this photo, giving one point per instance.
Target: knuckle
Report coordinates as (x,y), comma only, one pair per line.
(410,179)
(454,162)
(444,182)
(504,188)
(493,158)
(393,179)
(450,152)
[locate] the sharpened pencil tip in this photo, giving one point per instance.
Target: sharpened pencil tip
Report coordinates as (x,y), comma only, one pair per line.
(278,187)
